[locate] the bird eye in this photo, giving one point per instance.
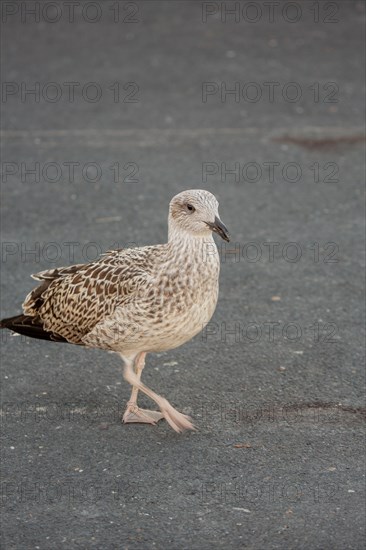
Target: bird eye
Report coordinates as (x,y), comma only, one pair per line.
(190,208)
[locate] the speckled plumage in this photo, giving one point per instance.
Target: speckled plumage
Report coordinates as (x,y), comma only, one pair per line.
(137,300)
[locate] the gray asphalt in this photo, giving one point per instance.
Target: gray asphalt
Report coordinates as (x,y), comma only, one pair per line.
(275,383)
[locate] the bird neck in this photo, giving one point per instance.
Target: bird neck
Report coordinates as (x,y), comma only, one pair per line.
(180,236)
(184,243)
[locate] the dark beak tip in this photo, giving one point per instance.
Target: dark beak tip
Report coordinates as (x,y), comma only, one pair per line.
(218,227)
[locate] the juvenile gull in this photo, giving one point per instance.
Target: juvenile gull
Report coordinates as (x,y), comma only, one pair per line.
(137,300)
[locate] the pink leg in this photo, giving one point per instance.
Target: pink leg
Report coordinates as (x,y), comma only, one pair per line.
(178,421)
(133,413)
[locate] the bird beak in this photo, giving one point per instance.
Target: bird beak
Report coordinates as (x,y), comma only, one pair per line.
(218,227)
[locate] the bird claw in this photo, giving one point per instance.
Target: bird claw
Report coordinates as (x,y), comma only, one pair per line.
(178,421)
(135,415)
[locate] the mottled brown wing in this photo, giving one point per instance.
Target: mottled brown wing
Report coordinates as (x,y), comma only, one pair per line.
(72,300)
(111,257)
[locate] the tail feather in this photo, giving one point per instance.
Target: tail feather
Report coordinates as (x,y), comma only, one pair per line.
(30,326)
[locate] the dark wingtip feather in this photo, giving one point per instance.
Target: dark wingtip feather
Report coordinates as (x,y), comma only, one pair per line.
(29,326)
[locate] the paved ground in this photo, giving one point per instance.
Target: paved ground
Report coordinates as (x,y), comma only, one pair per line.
(275,385)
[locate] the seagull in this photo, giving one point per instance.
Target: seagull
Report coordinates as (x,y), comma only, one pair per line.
(135,301)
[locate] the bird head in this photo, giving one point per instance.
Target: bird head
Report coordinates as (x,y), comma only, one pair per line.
(195,211)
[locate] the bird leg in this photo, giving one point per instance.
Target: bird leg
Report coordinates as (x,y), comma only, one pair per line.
(133,413)
(178,421)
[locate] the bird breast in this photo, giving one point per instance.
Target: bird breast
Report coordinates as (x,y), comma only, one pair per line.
(183,303)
